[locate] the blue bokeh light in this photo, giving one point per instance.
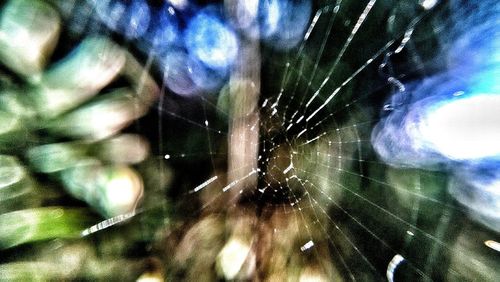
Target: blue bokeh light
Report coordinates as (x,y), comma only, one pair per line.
(474,39)
(210,41)
(206,79)
(186,76)
(270,14)
(283,22)
(164,30)
(129,18)
(177,74)
(479,47)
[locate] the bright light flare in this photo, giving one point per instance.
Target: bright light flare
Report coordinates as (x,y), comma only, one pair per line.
(467,128)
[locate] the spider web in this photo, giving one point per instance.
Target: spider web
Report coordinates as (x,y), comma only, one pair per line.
(318,105)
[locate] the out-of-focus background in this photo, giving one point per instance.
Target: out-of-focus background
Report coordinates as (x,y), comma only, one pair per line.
(260,140)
